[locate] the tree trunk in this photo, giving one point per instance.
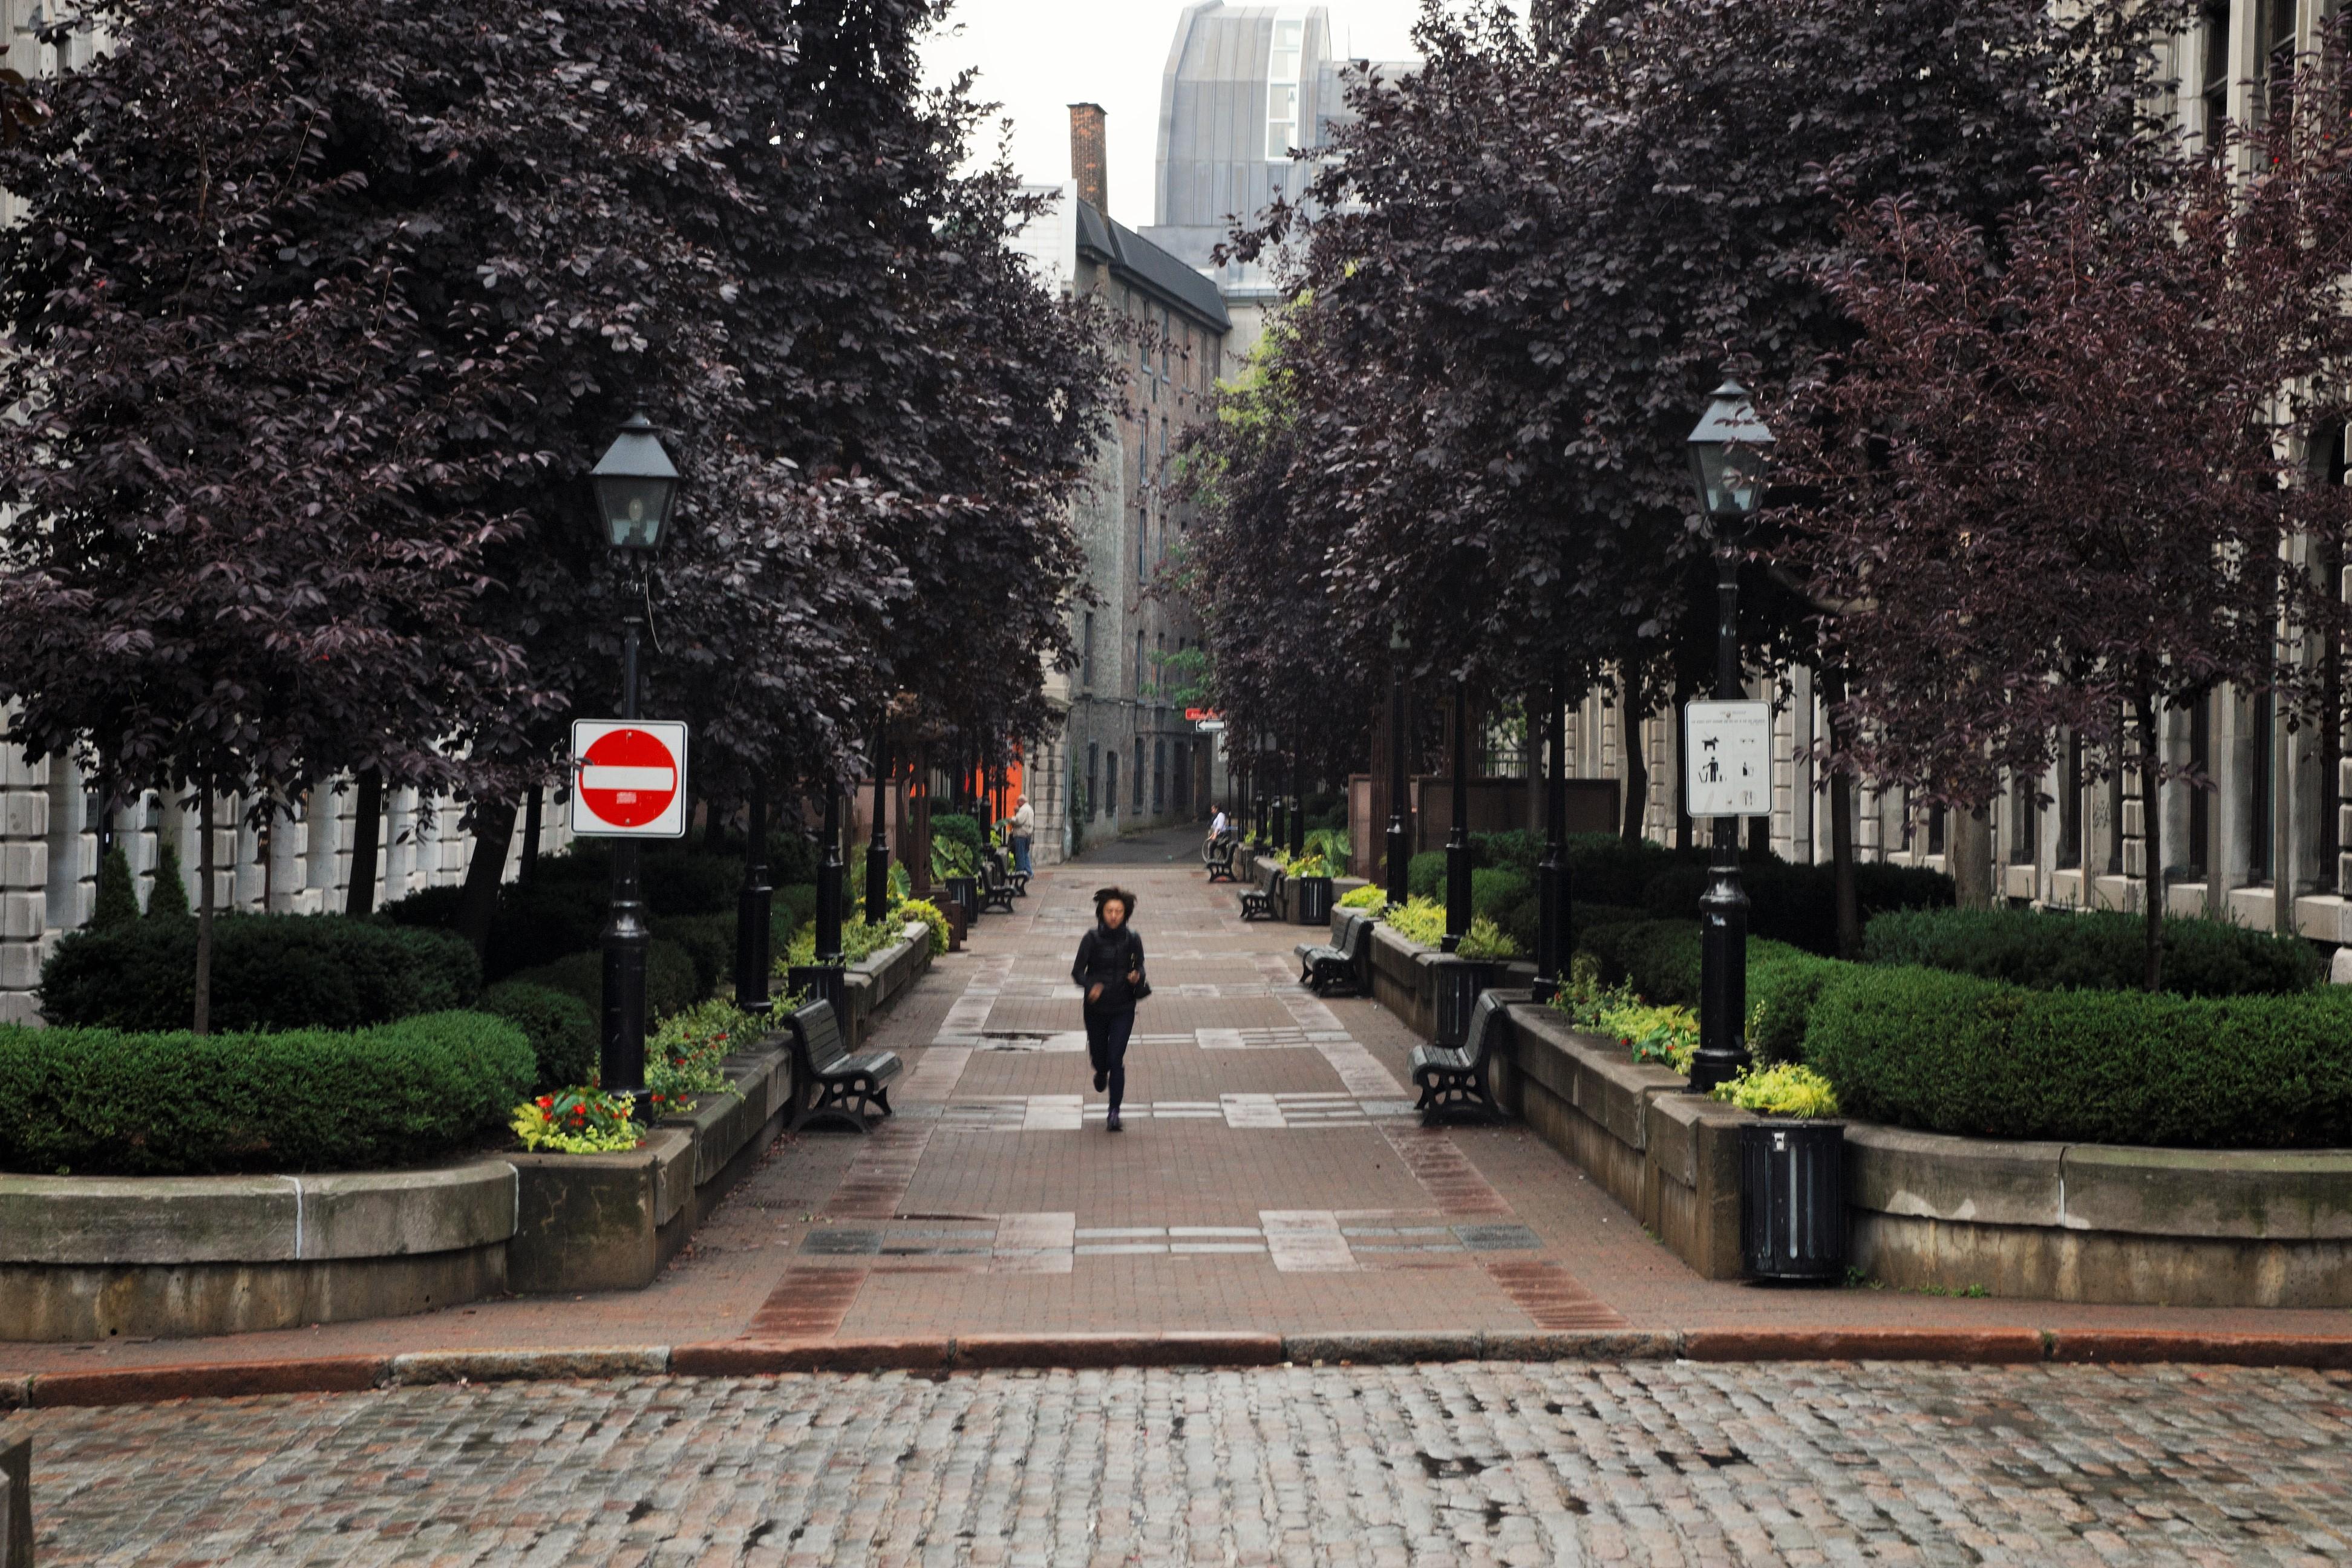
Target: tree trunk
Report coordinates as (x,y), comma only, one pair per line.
(367,831)
(1848,893)
(1968,855)
(1637,791)
(2151,840)
(477,901)
(532,828)
(203,1020)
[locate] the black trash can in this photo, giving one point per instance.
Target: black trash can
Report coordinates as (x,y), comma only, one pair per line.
(965,890)
(1459,981)
(1792,1200)
(1310,904)
(823,982)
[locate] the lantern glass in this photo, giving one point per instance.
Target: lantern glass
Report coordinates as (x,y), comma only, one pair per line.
(636,486)
(1730,456)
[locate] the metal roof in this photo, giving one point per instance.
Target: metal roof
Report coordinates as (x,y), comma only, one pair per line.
(1141,263)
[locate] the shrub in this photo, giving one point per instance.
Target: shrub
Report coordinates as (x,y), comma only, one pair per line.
(955,827)
(709,942)
(269,972)
(797,899)
(1951,1052)
(930,914)
(2101,950)
(1782,985)
(860,941)
(1515,850)
(1793,1091)
(669,978)
(1492,888)
(1607,871)
(1798,904)
(1425,874)
(1486,940)
(1332,844)
(117,904)
(536,923)
(1418,920)
(792,858)
(1372,895)
(1660,961)
(167,895)
(102,1101)
(562,1031)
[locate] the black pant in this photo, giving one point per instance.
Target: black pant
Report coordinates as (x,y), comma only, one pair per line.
(1107,1047)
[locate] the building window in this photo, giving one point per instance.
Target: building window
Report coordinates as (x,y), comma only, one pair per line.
(2070,807)
(1138,668)
(2213,68)
(2200,764)
(1138,775)
(1158,777)
(2025,821)
(1183,765)
(2328,461)
(1111,785)
(1087,654)
(1142,542)
(1282,90)
(2261,781)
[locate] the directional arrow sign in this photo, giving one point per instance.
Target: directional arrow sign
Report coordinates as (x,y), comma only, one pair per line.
(630,778)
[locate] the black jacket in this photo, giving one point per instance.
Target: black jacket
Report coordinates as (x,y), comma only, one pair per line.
(1108,957)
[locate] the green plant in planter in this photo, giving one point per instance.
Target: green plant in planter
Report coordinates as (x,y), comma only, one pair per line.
(1486,939)
(688,1048)
(1666,1036)
(1310,864)
(860,940)
(930,914)
(1788,1090)
(578,1121)
(1370,897)
(1421,922)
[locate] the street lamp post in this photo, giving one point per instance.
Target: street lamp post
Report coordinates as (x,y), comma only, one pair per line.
(830,876)
(635,486)
(877,848)
(1457,842)
(1730,449)
(1298,798)
(1554,934)
(1400,785)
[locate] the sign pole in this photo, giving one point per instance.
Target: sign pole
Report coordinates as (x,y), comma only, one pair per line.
(622,1060)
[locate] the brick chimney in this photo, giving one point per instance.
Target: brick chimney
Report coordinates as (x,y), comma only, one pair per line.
(1088,165)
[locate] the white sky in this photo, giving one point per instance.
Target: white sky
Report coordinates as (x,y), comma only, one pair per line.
(1036,58)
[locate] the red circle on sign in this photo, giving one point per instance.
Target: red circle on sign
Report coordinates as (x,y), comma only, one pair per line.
(627,778)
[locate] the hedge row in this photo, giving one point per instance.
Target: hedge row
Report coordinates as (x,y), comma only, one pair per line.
(269,972)
(1951,1052)
(101,1101)
(2104,951)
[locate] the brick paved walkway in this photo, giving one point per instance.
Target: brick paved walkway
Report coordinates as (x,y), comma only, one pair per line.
(1272,1179)
(1658,1463)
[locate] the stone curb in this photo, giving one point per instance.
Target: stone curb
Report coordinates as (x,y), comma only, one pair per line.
(981,1352)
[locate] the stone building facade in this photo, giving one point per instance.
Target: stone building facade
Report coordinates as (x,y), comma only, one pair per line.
(1127,757)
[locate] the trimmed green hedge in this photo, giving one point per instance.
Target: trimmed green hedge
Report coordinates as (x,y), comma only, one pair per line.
(1949,1053)
(2100,950)
(100,1101)
(562,1029)
(670,985)
(1798,904)
(269,972)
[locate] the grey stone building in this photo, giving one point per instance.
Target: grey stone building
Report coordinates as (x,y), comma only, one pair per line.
(1127,756)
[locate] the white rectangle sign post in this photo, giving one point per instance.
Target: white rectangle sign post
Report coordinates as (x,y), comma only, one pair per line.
(628,778)
(1727,758)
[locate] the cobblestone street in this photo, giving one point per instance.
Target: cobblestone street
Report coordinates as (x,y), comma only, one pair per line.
(1642,1463)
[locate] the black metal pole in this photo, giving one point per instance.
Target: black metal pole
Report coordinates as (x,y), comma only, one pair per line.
(753,905)
(1265,811)
(1552,929)
(877,848)
(621,1064)
(1723,911)
(829,879)
(1400,787)
(1457,842)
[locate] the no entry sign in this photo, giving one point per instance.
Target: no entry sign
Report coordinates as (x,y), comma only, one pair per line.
(629,780)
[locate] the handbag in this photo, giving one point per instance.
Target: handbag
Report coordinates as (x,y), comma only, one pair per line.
(1142,989)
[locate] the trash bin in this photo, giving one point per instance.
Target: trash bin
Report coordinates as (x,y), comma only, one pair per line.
(1459,981)
(1792,1199)
(1311,905)
(965,890)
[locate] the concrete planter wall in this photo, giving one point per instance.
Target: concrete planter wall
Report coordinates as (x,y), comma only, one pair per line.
(2089,1222)
(88,1258)
(1405,979)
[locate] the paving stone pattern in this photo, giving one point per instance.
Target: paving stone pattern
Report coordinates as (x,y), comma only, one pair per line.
(1653,1463)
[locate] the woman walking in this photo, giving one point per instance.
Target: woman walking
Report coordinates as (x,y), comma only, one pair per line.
(1109,970)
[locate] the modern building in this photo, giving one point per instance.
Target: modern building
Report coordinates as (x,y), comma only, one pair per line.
(1128,757)
(1249,98)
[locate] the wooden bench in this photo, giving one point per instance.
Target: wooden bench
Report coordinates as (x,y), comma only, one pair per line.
(1219,858)
(1257,904)
(995,882)
(828,1083)
(1323,967)
(1458,1083)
